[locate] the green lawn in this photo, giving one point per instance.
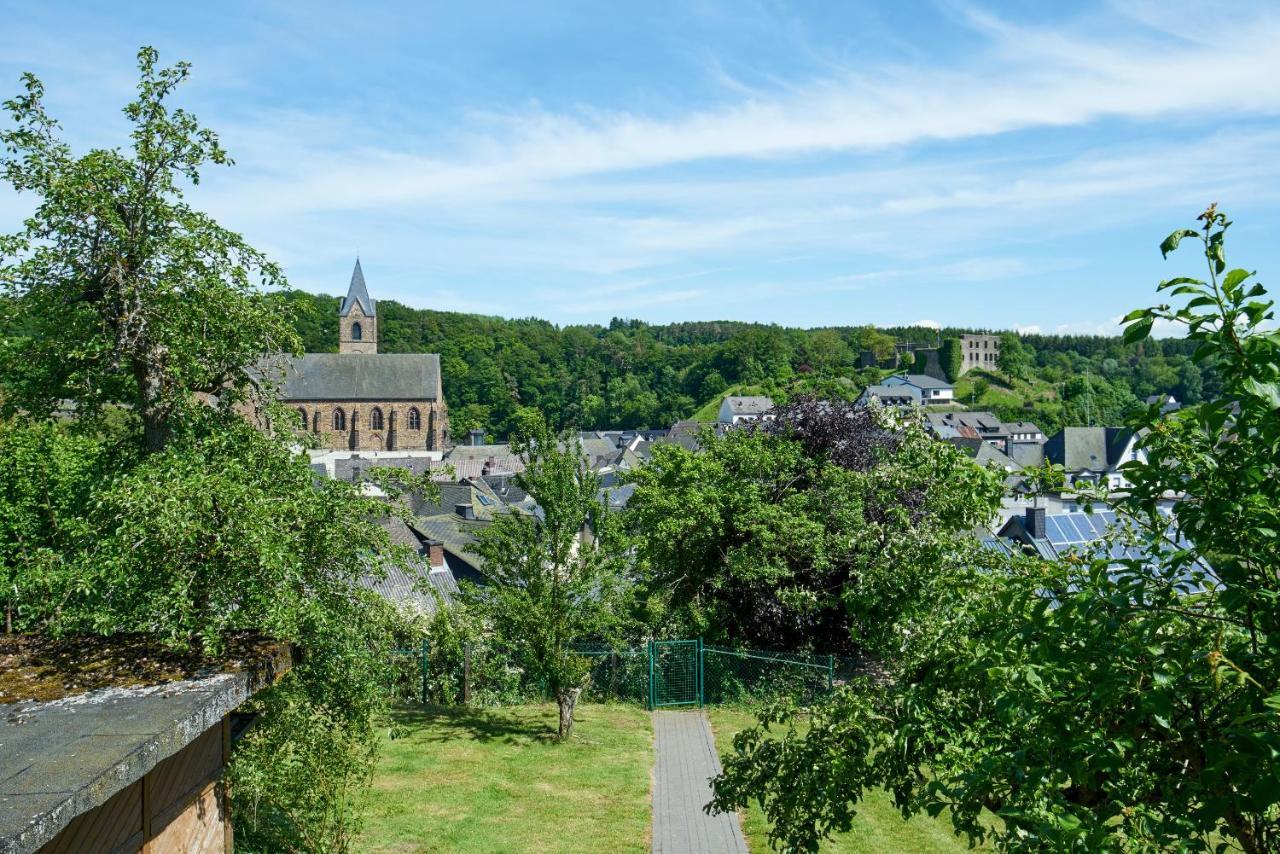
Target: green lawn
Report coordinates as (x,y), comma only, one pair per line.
(878,828)
(492,780)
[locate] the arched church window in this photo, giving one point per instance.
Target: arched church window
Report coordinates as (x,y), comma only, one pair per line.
(339,420)
(357,334)
(415,418)
(375,419)
(302,415)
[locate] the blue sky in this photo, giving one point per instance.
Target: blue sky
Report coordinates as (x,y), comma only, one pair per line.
(978,164)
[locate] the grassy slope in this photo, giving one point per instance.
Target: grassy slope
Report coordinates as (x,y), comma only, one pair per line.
(468,780)
(1003,391)
(878,828)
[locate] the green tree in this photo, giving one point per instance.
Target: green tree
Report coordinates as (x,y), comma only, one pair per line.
(127,293)
(881,345)
(555,576)
(952,358)
(1093,703)
(778,537)
(1014,360)
(153,507)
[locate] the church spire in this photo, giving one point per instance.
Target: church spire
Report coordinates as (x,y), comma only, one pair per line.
(358,293)
(358,318)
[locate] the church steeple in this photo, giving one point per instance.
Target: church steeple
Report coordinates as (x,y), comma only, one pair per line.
(358,317)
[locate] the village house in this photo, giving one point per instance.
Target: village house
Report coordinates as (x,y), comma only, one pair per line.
(921,388)
(983,425)
(742,410)
(1094,454)
(886,395)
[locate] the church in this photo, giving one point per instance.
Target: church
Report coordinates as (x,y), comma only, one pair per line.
(361,400)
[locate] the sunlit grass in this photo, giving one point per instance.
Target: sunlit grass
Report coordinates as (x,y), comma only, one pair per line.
(493,780)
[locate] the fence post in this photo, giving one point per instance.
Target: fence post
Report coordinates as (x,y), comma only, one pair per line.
(700,666)
(466,674)
(426,649)
(649,649)
(831,672)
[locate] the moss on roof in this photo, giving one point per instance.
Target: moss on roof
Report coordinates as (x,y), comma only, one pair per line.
(35,667)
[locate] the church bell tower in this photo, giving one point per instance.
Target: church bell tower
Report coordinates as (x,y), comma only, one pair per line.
(358,318)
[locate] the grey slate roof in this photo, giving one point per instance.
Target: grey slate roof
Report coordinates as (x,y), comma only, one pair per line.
(357,376)
(1021,427)
(983,424)
(345,468)
(357,293)
(923,381)
(455,533)
(405,587)
(1025,454)
(892,392)
(749,404)
(1093,448)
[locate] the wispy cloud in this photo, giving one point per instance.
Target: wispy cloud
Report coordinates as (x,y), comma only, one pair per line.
(947,171)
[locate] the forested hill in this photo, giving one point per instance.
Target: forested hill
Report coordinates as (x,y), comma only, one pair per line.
(632,374)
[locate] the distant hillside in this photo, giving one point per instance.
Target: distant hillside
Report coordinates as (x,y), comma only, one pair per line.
(632,374)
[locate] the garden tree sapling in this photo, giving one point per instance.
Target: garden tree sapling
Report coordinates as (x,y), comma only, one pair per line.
(1092,703)
(555,576)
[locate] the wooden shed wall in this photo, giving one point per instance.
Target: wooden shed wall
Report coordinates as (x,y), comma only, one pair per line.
(178,806)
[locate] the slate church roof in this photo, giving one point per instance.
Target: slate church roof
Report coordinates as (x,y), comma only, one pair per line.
(357,376)
(357,293)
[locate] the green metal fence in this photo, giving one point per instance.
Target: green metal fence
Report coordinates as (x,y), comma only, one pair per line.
(660,674)
(675,673)
(407,676)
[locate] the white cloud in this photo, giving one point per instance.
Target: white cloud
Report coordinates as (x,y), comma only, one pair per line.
(926,324)
(887,174)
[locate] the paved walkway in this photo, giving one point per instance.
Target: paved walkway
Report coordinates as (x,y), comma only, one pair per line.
(686,762)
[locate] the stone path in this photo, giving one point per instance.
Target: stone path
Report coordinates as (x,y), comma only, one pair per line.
(686,762)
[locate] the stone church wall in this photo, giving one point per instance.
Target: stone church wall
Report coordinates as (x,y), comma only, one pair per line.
(358,425)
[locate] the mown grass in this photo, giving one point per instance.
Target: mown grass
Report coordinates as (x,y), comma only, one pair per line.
(878,828)
(493,780)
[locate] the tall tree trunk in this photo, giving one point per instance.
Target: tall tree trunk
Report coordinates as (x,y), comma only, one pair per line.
(155,418)
(568,700)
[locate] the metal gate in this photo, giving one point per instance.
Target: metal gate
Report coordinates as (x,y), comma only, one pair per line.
(675,673)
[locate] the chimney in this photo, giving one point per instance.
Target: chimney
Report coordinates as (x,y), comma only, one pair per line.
(435,555)
(1035,523)
(466,511)
(475,436)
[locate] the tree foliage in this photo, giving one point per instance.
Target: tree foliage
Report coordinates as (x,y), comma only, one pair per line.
(146,504)
(952,358)
(113,276)
(781,536)
(632,374)
(554,576)
(1091,703)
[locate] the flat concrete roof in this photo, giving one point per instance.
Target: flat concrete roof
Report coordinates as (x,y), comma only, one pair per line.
(62,758)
